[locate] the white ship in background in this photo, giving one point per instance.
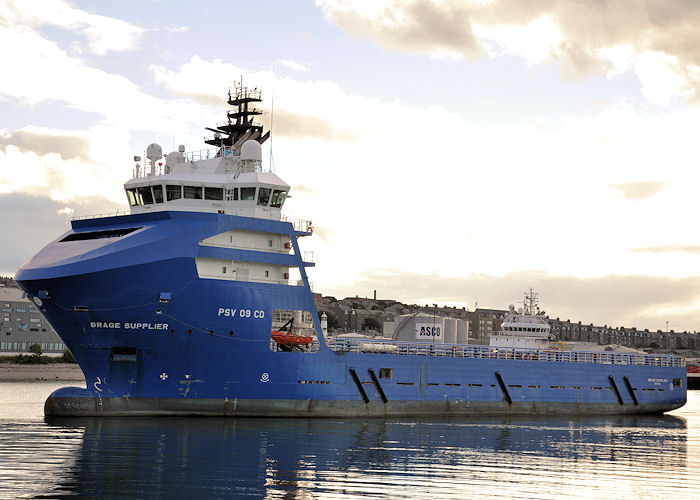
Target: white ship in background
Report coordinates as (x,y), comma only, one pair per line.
(529,327)
(526,327)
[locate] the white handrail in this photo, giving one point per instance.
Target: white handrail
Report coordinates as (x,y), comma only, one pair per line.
(100,216)
(488,352)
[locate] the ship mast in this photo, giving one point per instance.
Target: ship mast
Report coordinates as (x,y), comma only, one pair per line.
(240,125)
(530,302)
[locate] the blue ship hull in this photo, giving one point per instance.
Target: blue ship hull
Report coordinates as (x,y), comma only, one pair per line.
(153,338)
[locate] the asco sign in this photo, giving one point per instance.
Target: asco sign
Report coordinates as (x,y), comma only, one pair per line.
(428,330)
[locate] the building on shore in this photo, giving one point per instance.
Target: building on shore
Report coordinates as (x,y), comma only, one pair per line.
(354,314)
(22,325)
(483,323)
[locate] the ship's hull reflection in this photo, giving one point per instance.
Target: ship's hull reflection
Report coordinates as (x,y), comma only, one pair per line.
(186,457)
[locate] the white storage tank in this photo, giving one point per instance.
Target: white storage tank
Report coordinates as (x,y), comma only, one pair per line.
(420,328)
(388,329)
(462,329)
(450,334)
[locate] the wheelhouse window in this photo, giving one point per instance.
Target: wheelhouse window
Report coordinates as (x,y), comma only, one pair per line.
(145,194)
(277,198)
(173,192)
(193,192)
(213,193)
(264,196)
(248,194)
(158,193)
(133,197)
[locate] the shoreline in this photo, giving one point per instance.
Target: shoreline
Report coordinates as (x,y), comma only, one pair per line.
(30,373)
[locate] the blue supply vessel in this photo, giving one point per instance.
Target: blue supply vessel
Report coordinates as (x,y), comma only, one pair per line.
(197,302)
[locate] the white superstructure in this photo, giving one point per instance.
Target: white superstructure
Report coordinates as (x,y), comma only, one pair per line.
(230,181)
(228,178)
(525,327)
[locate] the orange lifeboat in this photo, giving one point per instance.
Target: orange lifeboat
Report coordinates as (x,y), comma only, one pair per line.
(289,339)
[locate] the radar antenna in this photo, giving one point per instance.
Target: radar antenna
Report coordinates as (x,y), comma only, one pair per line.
(240,125)
(530,302)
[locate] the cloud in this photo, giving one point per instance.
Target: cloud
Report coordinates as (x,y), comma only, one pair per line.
(583,38)
(691,249)
(103,34)
(413,26)
(176,29)
(295,66)
(662,77)
(630,301)
(301,188)
(637,191)
(65,165)
(35,140)
(534,40)
(298,125)
(325,234)
(301,109)
(204,81)
(53,75)
(382,179)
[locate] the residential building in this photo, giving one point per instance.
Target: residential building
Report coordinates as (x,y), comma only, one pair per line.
(22,325)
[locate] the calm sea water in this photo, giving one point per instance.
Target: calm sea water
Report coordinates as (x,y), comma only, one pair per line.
(620,457)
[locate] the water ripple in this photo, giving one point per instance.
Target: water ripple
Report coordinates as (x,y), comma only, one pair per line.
(619,457)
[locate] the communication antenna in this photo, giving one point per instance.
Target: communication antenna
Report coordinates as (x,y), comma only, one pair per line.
(530,302)
(272,114)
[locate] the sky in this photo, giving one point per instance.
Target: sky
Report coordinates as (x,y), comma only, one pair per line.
(451,152)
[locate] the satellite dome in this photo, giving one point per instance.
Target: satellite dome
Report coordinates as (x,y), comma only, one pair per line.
(174,158)
(154,152)
(251,150)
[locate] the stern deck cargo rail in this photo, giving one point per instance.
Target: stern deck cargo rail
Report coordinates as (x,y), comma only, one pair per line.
(486,352)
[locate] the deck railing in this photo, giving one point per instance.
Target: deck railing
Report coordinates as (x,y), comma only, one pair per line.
(300,225)
(312,347)
(207,154)
(487,352)
(101,216)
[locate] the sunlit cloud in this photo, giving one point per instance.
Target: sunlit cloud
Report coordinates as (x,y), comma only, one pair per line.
(639,190)
(302,109)
(692,249)
(64,165)
(414,211)
(43,141)
(583,39)
(535,41)
(662,77)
